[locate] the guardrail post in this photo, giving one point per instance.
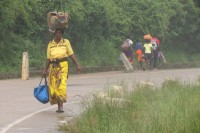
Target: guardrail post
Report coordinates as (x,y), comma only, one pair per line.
(25,66)
(126,62)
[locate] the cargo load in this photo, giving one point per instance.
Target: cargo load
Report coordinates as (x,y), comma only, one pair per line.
(57,20)
(147,37)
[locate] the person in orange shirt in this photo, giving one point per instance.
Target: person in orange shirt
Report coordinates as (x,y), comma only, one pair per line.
(138,48)
(58,52)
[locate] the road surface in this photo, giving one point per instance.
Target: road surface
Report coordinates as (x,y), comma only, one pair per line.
(20,112)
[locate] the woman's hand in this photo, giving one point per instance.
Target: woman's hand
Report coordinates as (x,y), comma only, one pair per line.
(75,62)
(78,68)
(44,73)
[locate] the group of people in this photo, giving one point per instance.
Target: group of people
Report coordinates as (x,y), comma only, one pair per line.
(59,50)
(147,52)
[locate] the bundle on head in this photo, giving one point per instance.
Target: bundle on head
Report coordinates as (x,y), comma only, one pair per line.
(147,37)
(57,20)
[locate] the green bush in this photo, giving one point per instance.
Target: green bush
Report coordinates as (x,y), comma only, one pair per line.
(97,28)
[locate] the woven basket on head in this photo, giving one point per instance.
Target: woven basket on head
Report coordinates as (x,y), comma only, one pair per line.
(57,20)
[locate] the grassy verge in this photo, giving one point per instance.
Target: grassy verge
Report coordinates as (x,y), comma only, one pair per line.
(90,55)
(172,108)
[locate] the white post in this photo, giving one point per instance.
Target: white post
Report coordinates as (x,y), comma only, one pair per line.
(25,66)
(126,62)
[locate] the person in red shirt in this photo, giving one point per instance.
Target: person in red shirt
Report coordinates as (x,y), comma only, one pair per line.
(156,39)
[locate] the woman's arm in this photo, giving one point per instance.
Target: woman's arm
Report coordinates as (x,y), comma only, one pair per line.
(73,57)
(46,67)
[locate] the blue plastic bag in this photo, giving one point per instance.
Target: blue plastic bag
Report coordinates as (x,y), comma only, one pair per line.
(41,93)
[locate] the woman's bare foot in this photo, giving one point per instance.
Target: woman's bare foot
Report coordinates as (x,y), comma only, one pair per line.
(60,107)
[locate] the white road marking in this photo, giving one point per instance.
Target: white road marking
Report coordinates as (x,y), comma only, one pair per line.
(5,129)
(23,118)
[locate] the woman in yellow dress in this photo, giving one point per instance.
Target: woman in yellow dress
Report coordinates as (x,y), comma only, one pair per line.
(58,51)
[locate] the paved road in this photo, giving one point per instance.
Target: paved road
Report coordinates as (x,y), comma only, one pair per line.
(21,113)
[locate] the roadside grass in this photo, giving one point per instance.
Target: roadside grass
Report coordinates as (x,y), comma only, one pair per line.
(101,55)
(171,108)
(174,57)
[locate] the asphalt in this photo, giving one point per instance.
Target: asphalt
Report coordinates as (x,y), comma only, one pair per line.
(21,113)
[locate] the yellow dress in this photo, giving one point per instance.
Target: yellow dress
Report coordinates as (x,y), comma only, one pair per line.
(58,71)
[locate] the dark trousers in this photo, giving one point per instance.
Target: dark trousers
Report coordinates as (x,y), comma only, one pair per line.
(148,59)
(155,58)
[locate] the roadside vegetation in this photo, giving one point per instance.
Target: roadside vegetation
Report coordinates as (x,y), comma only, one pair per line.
(97,29)
(172,107)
